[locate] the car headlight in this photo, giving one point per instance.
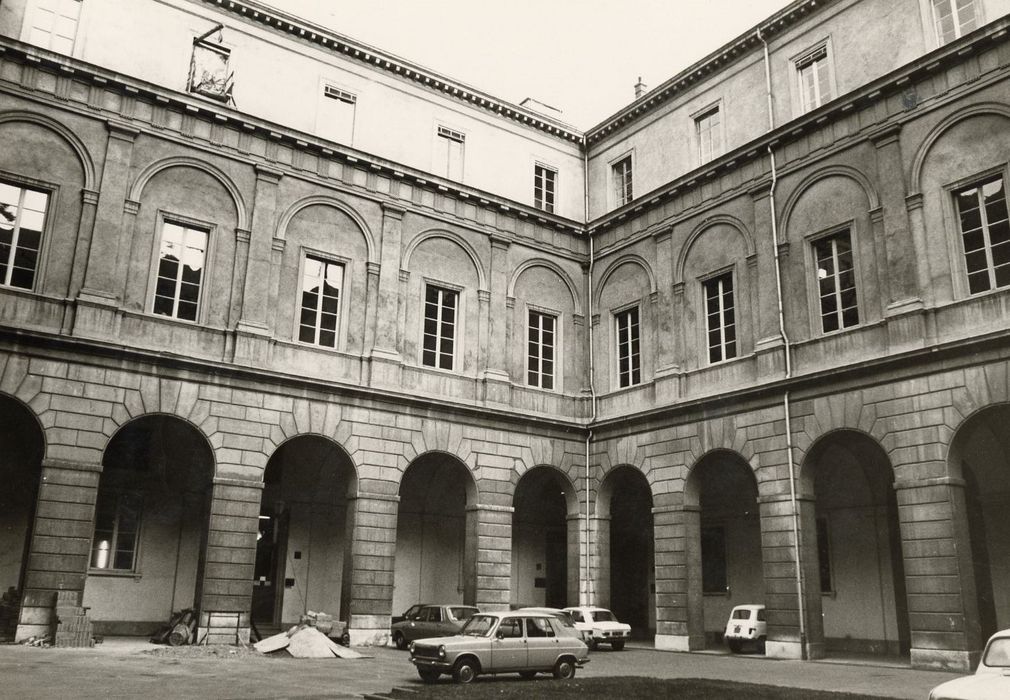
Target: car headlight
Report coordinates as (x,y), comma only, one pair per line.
(411,647)
(441,651)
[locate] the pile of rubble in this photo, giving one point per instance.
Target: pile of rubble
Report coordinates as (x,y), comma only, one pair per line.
(308,639)
(74,625)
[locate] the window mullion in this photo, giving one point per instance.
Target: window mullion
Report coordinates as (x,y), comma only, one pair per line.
(722,320)
(318,330)
(990,263)
(12,254)
(439,338)
(837,282)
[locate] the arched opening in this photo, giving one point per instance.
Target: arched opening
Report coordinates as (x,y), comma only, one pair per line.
(151,515)
(723,487)
(980,453)
(543,570)
(626,497)
(431,532)
(301,544)
(22,447)
(860,566)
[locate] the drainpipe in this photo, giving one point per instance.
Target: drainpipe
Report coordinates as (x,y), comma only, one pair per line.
(788,359)
(587,594)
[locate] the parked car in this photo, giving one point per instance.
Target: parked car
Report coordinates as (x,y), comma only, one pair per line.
(408,614)
(566,620)
(520,642)
(431,621)
(746,624)
(991,680)
(601,626)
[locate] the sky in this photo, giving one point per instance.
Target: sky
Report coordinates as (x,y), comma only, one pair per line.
(581,56)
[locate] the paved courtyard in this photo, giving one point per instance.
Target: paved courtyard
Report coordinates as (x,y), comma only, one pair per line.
(121,669)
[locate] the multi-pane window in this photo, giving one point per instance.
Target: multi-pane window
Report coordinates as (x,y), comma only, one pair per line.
(336,114)
(322,281)
(22,217)
(836,282)
(620,174)
(181,259)
(708,127)
(449,153)
(629,351)
(208,71)
(985,234)
(814,79)
(440,310)
(117,524)
(544,187)
(953,19)
(720,314)
(54,24)
(540,350)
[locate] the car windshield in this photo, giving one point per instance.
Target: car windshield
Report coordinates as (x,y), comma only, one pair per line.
(604,616)
(743,614)
(998,653)
(478,626)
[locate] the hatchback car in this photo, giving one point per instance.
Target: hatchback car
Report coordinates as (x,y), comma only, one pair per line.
(501,642)
(991,680)
(746,625)
(601,626)
(566,620)
(408,614)
(431,621)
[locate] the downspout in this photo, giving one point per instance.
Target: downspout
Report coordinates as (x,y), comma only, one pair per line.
(788,358)
(587,592)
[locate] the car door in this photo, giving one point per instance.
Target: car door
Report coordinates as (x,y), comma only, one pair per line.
(541,643)
(423,626)
(508,646)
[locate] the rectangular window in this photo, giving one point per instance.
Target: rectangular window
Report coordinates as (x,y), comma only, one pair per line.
(336,114)
(540,352)
(620,173)
(814,79)
(450,153)
(54,25)
(953,19)
(713,560)
(720,313)
(708,128)
(985,234)
(181,259)
(22,218)
(322,281)
(117,525)
(208,71)
(629,354)
(440,309)
(836,282)
(824,555)
(544,187)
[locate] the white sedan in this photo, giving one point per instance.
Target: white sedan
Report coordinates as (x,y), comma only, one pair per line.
(991,680)
(600,626)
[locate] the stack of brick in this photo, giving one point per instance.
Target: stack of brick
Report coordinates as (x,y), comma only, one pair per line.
(73,624)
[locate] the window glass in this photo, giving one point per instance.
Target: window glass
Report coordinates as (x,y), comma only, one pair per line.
(741,614)
(540,351)
(117,524)
(985,234)
(180,271)
(449,153)
(629,351)
(209,74)
(998,653)
(511,627)
(539,627)
(439,334)
(709,131)
(322,282)
(577,616)
(22,221)
(836,282)
(720,314)
(603,616)
(462,613)
(622,181)
(814,79)
(544,185)
(953,19)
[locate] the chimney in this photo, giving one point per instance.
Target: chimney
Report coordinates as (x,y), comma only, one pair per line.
(640,88)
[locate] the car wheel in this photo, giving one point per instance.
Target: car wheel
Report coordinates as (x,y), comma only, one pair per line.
(345,639)
(617,646)
(399,641)
(427,675)
(564,668)
(734,645)
(527,675)
(592,644)
(761,645)
(464,671)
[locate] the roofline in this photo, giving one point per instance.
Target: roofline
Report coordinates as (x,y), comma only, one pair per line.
(329,40)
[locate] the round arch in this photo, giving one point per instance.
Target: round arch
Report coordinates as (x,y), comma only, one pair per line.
(137,189)
(629,258)
(334,445)
(120,426)
(87,162)
(698,230)
(550,265)
(845,171)
(915,176)
(324,200)
(458,240)
(692,487)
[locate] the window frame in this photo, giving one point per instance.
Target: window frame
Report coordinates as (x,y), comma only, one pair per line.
(931,20)
(801,60)
(32,10)
(448,132)
(955,240)
(325,85)
(718,275)
(457,345)
(696,118)
(210,229)
(48,223)
(192,88)
(542,204)
(343,305)
(617,202)
(616,339)
(813,281)
(557,374)
(118,493)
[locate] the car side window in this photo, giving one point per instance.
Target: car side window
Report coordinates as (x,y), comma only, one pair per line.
(761,615)
(511,628)
(577,616)
(539,627)
(435,614)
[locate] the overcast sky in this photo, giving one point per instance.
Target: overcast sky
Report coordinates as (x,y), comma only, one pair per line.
(582,56)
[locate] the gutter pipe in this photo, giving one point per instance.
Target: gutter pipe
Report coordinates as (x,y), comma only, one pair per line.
(587,592)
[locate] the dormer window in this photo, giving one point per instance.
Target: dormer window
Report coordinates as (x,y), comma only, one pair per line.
(209,74)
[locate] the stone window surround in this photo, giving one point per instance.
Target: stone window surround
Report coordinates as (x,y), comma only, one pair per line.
(459,329)
(52,190)
(341,339)
(540,186)
(930,21)
(801,60)
(616,354)
(729,270)
(615,201)
(810,263)
(953,228)
(718,140)
(558,374)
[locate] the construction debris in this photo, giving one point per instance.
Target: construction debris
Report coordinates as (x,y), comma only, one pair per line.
(308,640)
(44,641)
(181,629)
(74,625)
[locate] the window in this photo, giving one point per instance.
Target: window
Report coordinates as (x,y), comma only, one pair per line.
(629,354)
(449,153)
(713,560)
(511,628)
(336,114)
(836,282)
(539,627)
(544,187)
(117,524)
(540,350)
(22,218)
(953,19)
(181,260)
(54,25)
(985,234)
(208,70)
(720,314)
(322,281)
(440,308)
(708,127)
(620,173)
(824,555)
(814,79)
